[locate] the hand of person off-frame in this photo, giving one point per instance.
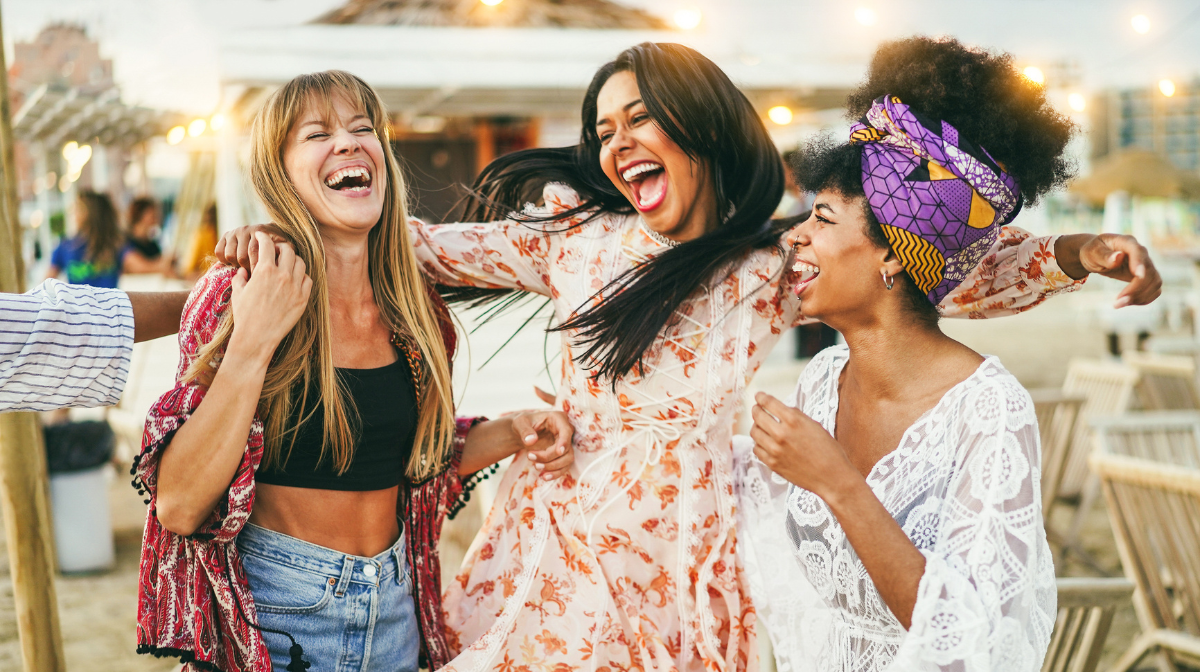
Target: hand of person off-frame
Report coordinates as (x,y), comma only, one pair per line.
(546,436)
(797,447)
(267,305)
(239,247)
(1122,258)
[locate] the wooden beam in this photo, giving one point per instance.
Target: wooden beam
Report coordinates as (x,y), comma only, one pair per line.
(23,492)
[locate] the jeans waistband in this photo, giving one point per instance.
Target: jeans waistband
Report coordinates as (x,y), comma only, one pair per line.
(289,551)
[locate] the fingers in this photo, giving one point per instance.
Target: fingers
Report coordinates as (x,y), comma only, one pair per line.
(1137,268)
(266,253)
(526,431)
(219,250)
(252,250)
(545,396)
(239,280)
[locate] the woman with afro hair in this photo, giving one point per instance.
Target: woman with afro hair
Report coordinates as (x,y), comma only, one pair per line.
(894,501)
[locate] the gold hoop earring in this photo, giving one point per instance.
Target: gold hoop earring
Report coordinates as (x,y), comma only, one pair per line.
(888,281)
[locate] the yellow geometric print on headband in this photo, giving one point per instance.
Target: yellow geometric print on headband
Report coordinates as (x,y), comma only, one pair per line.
(938,172)
(921,259)
(982,212)
(866,135)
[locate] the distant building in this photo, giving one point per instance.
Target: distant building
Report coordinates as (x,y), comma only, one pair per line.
(1147,119)
(466,82)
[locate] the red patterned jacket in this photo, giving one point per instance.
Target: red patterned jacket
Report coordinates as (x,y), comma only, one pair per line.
(190,587)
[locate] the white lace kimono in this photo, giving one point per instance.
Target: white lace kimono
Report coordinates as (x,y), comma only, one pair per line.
(964,486)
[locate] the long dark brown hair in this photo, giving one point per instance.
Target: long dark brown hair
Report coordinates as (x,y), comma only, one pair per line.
(99,227)
(696,105)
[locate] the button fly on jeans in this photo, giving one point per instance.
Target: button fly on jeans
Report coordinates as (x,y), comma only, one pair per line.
(369,571)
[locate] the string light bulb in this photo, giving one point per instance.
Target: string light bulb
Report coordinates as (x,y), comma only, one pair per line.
(1035,75)
(780,114)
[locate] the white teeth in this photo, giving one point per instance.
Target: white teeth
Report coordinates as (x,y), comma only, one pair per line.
(801,267)
(339,175)
(639,169)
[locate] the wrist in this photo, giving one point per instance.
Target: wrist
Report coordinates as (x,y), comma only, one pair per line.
(1068,251)
(842,487)
(253,356)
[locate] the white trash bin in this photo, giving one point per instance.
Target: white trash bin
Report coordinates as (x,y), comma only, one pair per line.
(82,521)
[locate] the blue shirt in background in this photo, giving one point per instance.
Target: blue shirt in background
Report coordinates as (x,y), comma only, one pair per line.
(71,256)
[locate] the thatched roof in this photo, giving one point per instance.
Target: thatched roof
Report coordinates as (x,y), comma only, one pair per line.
(508,14)
(1140,173)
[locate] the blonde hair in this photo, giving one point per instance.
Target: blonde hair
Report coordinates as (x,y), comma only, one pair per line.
(400,292)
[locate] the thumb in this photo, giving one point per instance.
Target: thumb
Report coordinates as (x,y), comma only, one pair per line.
(523,426)
(239,280)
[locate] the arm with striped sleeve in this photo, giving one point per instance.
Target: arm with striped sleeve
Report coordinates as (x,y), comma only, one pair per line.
(64,345)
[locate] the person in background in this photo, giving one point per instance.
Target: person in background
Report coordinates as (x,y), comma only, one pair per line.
(143,254)
(200,252)
(94,255)
(795,201)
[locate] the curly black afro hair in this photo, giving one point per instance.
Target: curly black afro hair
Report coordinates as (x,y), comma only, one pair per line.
(979,93)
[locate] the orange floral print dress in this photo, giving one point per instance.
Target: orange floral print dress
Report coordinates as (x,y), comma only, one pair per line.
(630,562)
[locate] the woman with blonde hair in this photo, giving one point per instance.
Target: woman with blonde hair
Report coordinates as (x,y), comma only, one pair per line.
(299,472)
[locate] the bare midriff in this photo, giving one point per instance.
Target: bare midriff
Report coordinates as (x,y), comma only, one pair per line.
(355,523)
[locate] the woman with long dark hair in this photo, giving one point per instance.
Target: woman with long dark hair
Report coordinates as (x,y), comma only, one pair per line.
(653,240)
(890,513)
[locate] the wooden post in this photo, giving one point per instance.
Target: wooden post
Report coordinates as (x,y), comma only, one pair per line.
(23,491)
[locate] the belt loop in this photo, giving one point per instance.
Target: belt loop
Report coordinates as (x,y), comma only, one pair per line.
(347,572)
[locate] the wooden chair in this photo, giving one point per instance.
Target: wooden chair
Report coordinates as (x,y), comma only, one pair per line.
(1108,388)
(1057,413)
(1154,507)
(1085,614)
(1170,437)
(1166,382)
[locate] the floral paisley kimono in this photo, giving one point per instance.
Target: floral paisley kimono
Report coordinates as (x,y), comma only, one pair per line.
(631,561)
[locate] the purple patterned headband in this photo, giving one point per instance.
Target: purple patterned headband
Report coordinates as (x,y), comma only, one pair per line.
(940,198)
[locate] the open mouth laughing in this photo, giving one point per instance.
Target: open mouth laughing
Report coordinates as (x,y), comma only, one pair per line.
(648,182)
(352,180)
(804,274)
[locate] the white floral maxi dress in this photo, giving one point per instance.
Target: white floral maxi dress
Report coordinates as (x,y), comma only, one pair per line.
(630,562)
(964,485)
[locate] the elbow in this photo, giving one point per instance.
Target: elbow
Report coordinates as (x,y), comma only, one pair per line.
(175,518)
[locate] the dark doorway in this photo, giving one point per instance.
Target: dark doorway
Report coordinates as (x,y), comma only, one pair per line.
(435,167)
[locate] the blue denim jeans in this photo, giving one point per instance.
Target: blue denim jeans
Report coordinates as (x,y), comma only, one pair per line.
(350,613)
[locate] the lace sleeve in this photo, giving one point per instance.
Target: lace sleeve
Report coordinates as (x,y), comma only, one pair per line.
(790,609)
(987,599)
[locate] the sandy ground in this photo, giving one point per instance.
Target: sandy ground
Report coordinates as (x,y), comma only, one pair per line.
(97,611)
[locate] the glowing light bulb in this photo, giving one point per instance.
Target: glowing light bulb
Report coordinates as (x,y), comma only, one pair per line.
(176,135)
(780,114)
(69,149)
(197,127)
(1077,102)
(866,16)
(491,3)
(217,121)
(687,19)
(1140,23)
(1167,87)
(1035,75)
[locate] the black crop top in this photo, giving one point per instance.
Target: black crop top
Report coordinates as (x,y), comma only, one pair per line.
(387,412)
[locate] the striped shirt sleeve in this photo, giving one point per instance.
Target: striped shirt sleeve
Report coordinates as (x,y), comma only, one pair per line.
(64,345)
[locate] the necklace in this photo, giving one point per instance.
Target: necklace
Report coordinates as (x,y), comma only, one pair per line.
(658,237)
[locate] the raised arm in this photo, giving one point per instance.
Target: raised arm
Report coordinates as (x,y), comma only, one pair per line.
(197,465)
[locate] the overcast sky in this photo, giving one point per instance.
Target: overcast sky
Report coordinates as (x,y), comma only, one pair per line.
(165,51)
